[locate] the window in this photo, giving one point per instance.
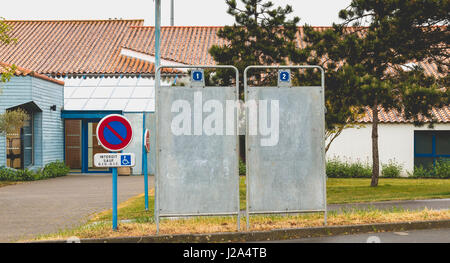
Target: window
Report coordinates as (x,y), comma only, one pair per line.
(430,146)
(19,146)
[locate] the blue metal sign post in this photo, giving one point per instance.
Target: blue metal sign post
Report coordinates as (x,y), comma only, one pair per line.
(114,133)
(114,198)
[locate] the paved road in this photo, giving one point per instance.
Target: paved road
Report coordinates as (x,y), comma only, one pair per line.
(435,204)
(41,207)
(413,236)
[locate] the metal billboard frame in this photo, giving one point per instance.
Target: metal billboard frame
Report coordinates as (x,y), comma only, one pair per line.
(247,178)
(157,170)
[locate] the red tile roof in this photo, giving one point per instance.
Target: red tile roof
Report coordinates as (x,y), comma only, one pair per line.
(61,47)
(78,47)
(65,47)
(441,115)
(4,67)
(190,44)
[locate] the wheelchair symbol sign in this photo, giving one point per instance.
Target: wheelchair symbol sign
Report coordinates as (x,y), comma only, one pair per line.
(125,160)
(114,160)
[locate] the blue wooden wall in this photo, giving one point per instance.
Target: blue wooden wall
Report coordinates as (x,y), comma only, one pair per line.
(48,125)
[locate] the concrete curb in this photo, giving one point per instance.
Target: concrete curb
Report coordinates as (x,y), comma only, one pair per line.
(279,234)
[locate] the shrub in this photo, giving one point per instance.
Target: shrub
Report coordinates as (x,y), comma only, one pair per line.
(443,168)
(391,170)
(339,169)
(8,174)
(55,169)
(242,166)
(27,175)
(343,169)
(440,170)
(420,172)
(51,170)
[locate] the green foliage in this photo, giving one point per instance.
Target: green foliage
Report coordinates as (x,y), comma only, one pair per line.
(55,169)
(51,170)
(391,169)
(242,168)
(11,121)
(6,73)
(440,170)
(261,35)
(344,169)
(420,172)
(365,65)
(5,39)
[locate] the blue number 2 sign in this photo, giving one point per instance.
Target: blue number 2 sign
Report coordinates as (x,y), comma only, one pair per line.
(285,76)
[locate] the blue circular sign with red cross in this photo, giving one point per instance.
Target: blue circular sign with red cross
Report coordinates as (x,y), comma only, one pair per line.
(114,132)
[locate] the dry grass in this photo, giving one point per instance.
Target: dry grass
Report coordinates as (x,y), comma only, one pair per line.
(339,191)
(258,223)
(6,183)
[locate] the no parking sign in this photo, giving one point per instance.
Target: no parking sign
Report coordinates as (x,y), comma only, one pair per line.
(114,132)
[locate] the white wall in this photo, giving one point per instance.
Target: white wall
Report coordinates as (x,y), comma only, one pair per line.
(395,142)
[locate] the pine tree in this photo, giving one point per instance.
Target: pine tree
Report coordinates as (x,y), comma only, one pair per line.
(368,62)
(261,35)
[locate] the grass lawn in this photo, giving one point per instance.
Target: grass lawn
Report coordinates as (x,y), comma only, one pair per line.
(145,226)
(338,191)
(355,190)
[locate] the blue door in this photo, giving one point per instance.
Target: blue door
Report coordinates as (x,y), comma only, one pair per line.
(91,147)
(81,141)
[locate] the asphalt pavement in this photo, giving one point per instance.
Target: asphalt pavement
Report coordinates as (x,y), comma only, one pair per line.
(412,236)
(32,208)
(434,204)
(46,206)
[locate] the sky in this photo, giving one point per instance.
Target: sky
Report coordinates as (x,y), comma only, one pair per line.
(187,12)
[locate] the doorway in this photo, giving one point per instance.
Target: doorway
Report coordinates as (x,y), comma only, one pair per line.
(81,145)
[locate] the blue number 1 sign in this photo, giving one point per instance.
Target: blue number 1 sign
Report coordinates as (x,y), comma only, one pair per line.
(197,78)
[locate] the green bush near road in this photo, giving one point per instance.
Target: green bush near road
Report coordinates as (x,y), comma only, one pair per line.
(51,170)
(440,170)
(242,167)
(391,170)
(343,169)
(340,169)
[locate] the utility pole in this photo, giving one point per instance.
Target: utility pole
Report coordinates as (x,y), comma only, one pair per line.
(172,15)
(157,80)
(157,34)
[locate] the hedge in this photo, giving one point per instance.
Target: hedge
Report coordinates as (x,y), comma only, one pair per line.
(440,170)
(343,169)
(51,170)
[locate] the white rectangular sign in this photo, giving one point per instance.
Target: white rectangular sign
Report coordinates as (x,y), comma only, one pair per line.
(114,160)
